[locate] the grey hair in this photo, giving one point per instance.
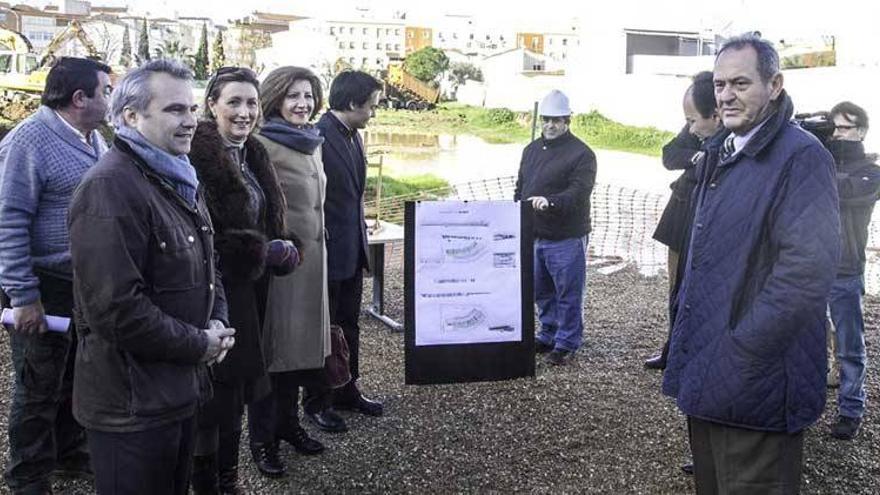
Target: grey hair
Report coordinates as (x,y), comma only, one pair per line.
(133,90)
(768,59)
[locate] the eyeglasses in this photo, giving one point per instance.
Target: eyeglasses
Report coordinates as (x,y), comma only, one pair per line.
(245,73)
(108,90)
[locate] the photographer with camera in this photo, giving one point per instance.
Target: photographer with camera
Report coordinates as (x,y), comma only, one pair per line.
(858,186)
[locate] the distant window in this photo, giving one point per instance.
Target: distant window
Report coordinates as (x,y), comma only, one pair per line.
(426,34)
(471,36)
(397,32)
(379,62)
(564,41)
(410,34)
(332,30)
(351,30)
(378,46)
(397,48)
(364,62)
(535,43)
(5,62)
(351,44)
(342,45)
(365,32)
(387,31)
(550,41)
(366,46)
(351,60)
(388,47)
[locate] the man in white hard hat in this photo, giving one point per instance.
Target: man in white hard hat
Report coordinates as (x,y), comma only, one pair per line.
(556,176)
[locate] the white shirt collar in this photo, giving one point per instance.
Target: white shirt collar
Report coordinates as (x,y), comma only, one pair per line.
(82,137)
(739,142)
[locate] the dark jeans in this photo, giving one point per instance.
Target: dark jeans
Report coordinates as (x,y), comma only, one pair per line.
(41,427)
(277,414)
(733,461)
(145,462)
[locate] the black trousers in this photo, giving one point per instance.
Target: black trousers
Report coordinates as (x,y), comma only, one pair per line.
(145,462)
(277,414)
(736,461)
(41,426)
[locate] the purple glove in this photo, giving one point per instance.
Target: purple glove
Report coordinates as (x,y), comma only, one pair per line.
(282,256)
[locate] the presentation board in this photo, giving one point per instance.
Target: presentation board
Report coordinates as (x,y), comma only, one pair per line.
(468,291)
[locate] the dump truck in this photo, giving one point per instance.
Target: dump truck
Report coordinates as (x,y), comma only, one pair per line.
(23,72)
(403,90)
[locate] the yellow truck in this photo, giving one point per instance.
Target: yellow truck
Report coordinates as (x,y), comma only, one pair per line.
(403,90)
(23,72)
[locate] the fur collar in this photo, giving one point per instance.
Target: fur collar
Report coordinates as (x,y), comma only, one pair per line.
(225,189)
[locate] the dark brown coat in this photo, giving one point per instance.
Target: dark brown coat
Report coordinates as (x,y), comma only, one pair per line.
(241,244)
(144,290)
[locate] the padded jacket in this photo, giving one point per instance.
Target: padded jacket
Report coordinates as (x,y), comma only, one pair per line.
(748,344)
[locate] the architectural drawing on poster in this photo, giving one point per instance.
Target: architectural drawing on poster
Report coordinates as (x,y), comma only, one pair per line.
(467,272)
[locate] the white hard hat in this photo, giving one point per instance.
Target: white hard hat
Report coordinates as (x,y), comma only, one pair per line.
(555,104)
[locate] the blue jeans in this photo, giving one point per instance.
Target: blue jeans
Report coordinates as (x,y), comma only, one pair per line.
(845,305)
(560,280)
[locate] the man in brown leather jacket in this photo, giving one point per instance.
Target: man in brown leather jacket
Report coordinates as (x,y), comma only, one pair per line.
(148,301)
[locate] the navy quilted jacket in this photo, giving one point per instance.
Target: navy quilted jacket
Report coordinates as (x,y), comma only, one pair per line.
(748,343)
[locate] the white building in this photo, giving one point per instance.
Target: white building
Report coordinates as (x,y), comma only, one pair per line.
(359,43)
(470,35)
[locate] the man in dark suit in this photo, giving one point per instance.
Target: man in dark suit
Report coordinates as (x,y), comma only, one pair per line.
(354,96)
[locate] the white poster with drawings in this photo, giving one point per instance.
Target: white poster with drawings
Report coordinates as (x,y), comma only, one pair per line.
(467,272)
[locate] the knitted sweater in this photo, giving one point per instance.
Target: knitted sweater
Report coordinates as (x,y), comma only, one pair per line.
(41,162)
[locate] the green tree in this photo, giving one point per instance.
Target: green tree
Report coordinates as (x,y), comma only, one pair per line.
(464,71)
(173,49)
(426,64)
(200,61)
(219,59)
(143,53)
(125,57)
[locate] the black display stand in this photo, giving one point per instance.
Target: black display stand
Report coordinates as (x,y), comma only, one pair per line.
(457,363)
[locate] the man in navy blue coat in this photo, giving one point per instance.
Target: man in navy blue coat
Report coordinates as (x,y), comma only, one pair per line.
(354,96)
(747,356)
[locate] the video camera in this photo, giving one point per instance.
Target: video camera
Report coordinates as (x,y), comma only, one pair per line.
(816,123)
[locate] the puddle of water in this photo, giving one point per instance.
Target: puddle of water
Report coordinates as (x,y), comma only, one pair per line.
(465,158)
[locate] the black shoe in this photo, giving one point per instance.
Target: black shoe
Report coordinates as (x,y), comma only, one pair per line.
(302,442)
(265,456)
(361,404)
(542,348)
(846,428)
(77,465)
(328,420)
(688,468)
(558,357)
(657,362)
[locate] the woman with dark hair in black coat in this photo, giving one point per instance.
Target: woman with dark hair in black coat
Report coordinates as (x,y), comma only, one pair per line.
(247,209)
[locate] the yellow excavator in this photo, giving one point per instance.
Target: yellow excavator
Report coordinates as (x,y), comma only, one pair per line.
(23,72)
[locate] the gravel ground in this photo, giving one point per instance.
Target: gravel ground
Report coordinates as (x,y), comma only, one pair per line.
(596,425)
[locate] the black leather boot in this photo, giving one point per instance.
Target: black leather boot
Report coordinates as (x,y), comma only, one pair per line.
(204,475)
(266,458)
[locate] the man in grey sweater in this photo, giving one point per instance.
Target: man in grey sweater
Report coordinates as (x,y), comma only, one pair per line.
(42,160)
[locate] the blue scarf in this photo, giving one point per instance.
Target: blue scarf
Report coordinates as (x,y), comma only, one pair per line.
(175,169)
(303,139)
